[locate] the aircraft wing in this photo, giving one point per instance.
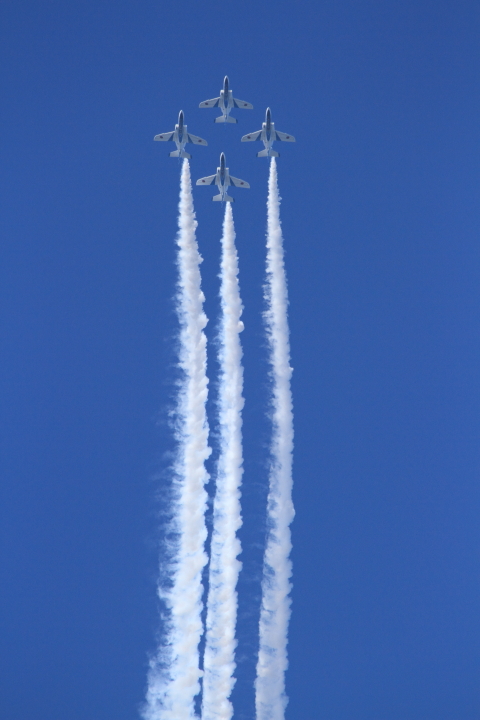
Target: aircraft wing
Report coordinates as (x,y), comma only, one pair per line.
(207,180)
(196,140)
(165,137)
(210,103)
(239,183)
(252,136)
(284,137)
(242,104)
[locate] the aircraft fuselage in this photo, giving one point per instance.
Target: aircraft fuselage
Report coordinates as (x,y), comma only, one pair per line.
(268,123)
(226,98)
(180,126)
(268,132)
(221,169)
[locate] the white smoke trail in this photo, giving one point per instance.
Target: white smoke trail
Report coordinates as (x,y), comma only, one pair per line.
(271,699)
(219,663)
(173,680)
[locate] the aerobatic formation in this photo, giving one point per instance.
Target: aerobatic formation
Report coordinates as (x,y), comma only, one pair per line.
(268,135)
(181,682)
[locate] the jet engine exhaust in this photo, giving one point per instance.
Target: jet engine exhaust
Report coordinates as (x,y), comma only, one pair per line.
(219,659)
(270,697)
(174,675)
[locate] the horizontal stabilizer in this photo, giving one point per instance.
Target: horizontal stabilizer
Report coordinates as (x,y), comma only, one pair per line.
(180,153)
(223,119)
(223,198)
(268,153)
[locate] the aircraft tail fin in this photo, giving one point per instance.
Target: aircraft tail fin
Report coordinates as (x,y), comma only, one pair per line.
(180,153)
(267,153)
(223,119)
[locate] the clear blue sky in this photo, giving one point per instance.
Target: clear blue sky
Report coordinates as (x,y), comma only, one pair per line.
(381,222)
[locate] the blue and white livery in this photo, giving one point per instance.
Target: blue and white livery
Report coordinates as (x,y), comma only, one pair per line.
(180,137)
(223,179)
(268,135)
(226,102)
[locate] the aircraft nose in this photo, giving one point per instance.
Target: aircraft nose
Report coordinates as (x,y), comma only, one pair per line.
(222,157)
(268,112)
(180,116)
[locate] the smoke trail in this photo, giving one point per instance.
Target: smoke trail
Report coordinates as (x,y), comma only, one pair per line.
(174,674)
(271,699)
(220,646)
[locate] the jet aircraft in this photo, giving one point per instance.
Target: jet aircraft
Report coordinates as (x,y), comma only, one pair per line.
(226,102)
(180,137)
(223,179)
(268,135)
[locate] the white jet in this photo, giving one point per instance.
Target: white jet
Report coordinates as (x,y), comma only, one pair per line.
(223,179)
(268,135)
(180,137)
(226,102)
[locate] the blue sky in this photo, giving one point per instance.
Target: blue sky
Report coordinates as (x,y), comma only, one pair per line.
(380,216)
